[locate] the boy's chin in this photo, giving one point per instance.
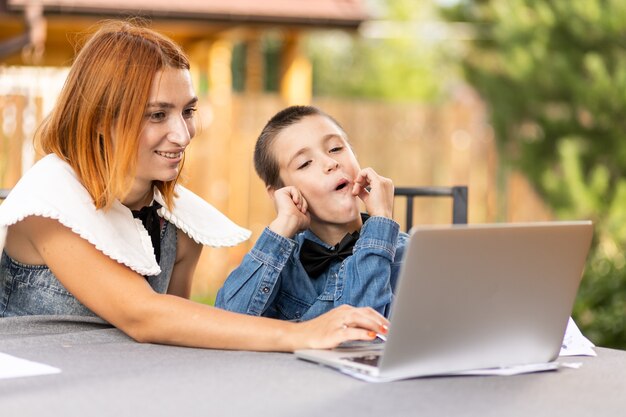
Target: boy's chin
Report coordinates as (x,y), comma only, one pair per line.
(347,218)
(337,212)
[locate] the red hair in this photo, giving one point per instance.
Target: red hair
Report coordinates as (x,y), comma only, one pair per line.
(106,93)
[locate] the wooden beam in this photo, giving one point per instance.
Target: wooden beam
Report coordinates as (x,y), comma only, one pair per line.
(254,64)
(296,80)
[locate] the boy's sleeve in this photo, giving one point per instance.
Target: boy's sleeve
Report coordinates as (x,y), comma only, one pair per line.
(252,287)
(371,272)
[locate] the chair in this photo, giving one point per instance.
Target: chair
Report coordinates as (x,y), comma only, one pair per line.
(458,194)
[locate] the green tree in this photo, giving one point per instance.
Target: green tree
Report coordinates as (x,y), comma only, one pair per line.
(554,76)
(389,59)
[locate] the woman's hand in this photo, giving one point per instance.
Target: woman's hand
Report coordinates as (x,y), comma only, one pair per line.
(339,325)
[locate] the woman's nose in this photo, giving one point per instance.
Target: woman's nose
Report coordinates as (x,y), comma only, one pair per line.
(179,133)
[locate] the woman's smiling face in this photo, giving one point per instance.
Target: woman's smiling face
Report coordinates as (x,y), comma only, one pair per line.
(168,127)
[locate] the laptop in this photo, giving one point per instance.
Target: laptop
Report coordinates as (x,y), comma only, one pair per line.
(472,298)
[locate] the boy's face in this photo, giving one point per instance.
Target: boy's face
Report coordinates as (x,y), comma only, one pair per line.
(314,156)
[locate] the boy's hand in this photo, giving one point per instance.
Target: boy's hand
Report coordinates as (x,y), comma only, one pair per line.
(291,209)
(379,199)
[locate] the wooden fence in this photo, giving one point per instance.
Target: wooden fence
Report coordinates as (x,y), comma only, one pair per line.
(447,144)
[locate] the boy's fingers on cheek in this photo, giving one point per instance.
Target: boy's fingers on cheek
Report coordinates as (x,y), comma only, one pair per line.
(361,182)
(372,179)
(361,176)
(363,194)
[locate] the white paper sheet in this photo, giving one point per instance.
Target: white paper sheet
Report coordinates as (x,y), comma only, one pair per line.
(574,343)
(13,367)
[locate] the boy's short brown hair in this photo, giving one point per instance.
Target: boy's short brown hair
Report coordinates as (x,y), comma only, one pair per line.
(265,162)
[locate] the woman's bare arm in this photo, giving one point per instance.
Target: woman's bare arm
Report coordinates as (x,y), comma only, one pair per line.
(126,300)
(187,255)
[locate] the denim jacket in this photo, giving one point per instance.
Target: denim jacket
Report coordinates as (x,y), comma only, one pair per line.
(272,282)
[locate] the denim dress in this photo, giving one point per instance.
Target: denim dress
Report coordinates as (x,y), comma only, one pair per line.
(34,290)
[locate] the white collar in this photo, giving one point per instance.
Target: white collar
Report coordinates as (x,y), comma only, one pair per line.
(51,189)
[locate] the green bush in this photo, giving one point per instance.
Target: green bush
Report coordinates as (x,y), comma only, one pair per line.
(554,76)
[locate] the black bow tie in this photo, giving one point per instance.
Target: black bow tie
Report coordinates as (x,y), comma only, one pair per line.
(152,222)
(316,258)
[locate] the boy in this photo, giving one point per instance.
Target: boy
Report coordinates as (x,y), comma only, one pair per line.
(319,252)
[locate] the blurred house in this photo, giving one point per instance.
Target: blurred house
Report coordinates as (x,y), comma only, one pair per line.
(259,40)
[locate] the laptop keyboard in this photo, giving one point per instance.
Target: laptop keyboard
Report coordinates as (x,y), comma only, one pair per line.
(371,360)
(360,344)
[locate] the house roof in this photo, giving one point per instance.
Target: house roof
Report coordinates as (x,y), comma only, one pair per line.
(326,13)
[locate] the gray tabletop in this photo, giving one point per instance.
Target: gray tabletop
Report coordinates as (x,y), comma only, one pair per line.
(104,373)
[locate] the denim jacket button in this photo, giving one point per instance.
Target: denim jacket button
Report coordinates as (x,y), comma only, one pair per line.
(265,289)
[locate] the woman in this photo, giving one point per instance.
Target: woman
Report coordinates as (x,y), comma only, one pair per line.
(115,145)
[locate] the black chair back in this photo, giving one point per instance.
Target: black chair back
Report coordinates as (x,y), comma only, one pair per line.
(458,194)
